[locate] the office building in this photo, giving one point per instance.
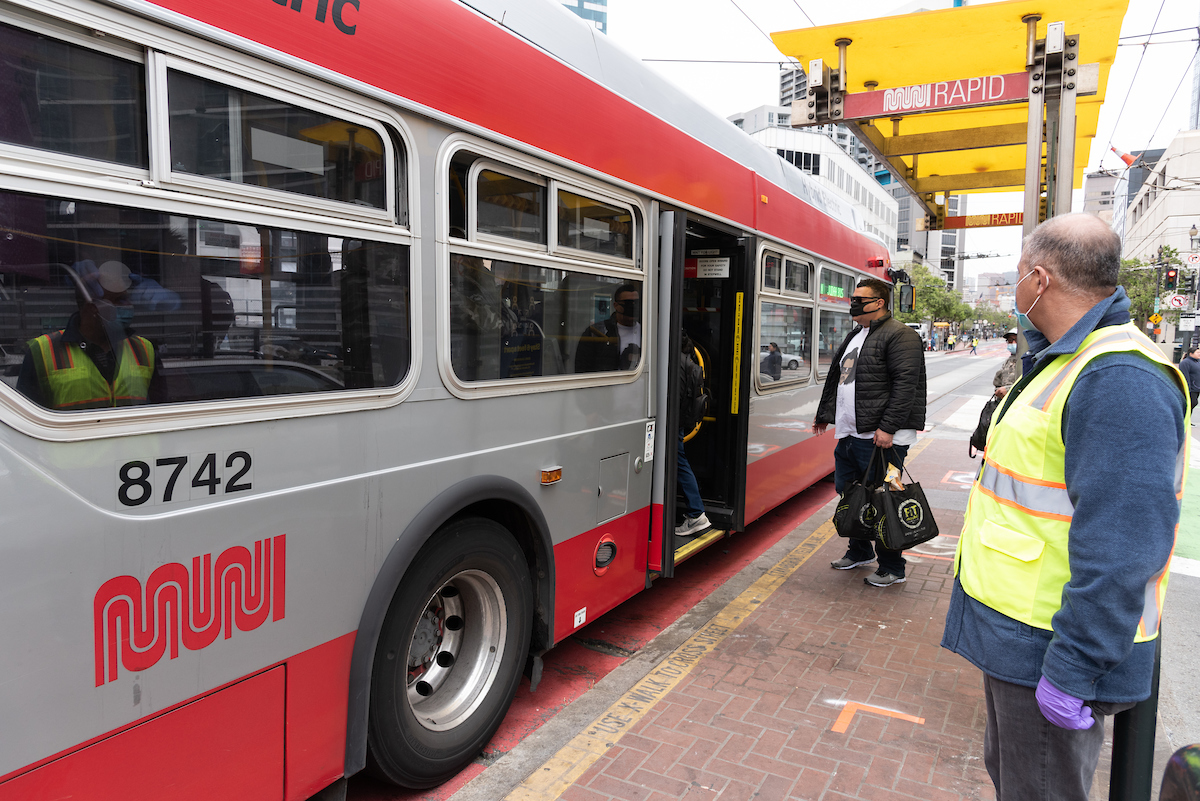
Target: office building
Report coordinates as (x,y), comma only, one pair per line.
(594,11)
(816,154)
(1098,189)
(1165,207)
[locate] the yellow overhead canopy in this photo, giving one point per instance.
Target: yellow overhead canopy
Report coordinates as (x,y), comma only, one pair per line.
(955,43)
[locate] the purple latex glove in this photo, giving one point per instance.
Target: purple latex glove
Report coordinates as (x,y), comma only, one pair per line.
(1064,711)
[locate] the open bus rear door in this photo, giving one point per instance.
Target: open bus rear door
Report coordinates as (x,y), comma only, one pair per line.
(706,289)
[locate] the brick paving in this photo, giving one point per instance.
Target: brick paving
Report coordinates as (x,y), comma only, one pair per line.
(755,718)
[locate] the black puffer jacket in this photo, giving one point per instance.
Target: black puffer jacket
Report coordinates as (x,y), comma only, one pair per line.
(889,383)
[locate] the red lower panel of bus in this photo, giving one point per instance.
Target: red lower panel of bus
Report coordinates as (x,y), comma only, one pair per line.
(318,683)
(582,592)
(773,479)
(226,744)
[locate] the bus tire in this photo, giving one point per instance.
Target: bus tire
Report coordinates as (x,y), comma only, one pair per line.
(450,654)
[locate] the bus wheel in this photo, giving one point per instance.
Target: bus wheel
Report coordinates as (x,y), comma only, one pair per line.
(450,654)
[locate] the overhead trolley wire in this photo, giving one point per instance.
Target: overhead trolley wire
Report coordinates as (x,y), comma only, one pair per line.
(766,35)
(1167,108)
(805,13)
(1159,33)
(1129,91)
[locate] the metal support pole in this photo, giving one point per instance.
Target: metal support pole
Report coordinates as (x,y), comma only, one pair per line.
(842,44)
(1033,133)
(1133,743)
(1065,173)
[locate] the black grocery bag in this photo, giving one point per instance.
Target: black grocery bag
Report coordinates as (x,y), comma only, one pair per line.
(858,515)
(905,515)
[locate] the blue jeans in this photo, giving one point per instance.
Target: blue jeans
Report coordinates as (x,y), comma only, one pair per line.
(686,480)
(850,459)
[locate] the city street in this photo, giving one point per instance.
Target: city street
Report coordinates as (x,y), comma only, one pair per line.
(762,706)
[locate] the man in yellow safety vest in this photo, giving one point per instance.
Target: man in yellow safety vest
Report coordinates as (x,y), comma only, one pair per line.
(1061,568)
(96,361)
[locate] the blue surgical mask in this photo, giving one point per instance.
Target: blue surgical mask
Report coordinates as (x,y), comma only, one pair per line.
(1023,321)
(125,315)
(1012,348)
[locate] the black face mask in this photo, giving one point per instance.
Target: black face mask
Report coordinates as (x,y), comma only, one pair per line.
(857,304)
(632,308)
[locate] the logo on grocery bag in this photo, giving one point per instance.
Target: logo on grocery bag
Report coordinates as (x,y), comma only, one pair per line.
(910,513)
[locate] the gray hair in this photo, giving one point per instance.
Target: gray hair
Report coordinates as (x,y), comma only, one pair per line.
(1079,249)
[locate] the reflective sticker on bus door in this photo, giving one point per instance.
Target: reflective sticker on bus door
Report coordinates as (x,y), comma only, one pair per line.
(737,354)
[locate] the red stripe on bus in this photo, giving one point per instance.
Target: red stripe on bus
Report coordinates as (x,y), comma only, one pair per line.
(415,49)
(775,478)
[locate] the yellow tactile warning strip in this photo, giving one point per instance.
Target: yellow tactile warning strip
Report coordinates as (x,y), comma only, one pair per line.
(564,768)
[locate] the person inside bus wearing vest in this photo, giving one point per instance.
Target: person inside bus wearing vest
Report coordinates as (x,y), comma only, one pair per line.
(97,361)
(874,395)
(1061,568)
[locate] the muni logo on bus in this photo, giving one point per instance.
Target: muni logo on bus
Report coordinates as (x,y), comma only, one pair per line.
(137,623)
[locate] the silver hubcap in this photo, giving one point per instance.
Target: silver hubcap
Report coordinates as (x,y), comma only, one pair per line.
(455,651)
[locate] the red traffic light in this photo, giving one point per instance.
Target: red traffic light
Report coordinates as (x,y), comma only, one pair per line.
(1172,278)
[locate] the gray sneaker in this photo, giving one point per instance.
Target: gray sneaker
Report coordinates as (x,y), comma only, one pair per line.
(882,578)
(847,563)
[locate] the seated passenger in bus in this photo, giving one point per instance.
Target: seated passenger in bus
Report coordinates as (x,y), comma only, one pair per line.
(615,343)
(96,361)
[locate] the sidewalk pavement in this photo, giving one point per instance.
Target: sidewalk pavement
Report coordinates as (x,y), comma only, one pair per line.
(811,684)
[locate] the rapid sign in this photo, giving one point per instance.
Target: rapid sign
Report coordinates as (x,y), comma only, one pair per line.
(990,90)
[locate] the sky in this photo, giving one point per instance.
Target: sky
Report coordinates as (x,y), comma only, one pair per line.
(1147,101)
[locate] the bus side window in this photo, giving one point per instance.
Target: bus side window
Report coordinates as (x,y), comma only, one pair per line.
(72,100)
(211,309)
(510,320)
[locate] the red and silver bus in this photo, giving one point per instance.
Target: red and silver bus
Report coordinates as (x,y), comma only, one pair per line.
(318,425)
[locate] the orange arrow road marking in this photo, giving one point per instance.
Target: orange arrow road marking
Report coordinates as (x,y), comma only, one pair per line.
(843,721)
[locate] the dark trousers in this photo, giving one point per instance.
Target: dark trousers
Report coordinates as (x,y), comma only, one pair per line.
(1031,759)
(850,459)
(689,488)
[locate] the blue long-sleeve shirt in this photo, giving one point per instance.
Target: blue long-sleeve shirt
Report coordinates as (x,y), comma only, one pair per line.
(1123,427)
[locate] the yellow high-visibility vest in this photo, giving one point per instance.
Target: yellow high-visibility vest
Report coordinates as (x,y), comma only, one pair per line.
(1012,555)
(70,381)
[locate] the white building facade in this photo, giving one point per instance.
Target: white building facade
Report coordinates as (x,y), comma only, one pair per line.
(1167,206)
(818,155)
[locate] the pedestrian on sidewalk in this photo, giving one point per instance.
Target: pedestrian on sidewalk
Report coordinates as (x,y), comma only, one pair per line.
(1061,568)
(950,342)
(1190,367)
(1010,371)
(874,395)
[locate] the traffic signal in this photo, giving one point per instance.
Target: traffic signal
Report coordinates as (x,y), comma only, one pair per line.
(1189,283)
(1172,279)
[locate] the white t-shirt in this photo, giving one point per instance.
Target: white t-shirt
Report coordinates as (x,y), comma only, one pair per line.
(845,422)
(629,335)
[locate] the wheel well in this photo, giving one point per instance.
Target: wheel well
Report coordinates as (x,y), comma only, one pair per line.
(495,497)
(518,523)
